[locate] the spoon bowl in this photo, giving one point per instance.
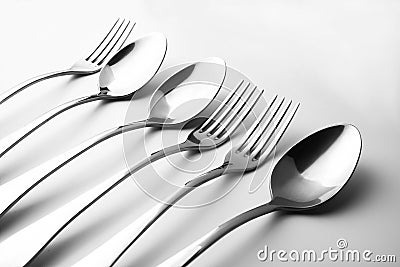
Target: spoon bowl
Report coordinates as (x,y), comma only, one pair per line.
(133,67)
(316,168)
(187,92)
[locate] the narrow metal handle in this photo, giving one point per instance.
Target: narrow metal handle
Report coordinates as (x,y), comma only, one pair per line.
(111,251)
(43,231)
(7,143)
(22,86)
(191,252)
(13,191)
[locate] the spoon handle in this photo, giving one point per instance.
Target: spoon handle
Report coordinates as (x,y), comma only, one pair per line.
(13,191)
(13,139)
(17,251)
(191,252)
(109,253)
(22,86)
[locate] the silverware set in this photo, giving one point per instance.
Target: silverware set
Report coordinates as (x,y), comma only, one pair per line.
(307,175)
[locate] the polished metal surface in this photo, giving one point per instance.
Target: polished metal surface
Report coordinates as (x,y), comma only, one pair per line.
(256,145)
(310,173)
(212,133)
(91,64)
(125,73)
(165,102)
(133,66)
(316,168)
(188,92)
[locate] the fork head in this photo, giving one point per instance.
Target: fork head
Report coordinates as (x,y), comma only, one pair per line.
(262,136)
(111,43)
(225,120)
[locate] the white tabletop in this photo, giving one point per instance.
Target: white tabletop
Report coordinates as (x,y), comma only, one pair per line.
(340,59)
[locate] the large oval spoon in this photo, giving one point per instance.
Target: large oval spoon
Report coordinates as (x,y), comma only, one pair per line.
(126,72)
(309,174)
(197,84)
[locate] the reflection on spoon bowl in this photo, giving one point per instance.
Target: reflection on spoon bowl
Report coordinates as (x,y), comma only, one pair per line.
(316,168)
(188,92)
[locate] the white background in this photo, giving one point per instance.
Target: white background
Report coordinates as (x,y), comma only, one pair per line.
(340,59)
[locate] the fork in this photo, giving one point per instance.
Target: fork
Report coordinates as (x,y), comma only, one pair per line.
(215,131)
(242,158)
(91,64)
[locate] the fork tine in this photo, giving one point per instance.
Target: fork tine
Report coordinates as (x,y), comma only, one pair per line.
(242,116)
(127,36)
(109,41)
(253,150)
(103,40)
(266,152)
(265,126)
(261,146)
(234,109)
(255,125)
(116,42)
(217,121)
(221,106)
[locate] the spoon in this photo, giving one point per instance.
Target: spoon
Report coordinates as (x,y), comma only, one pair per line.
(197,83)
(309,174)
(126,72)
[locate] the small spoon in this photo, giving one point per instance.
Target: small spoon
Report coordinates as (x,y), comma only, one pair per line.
(197,84)
(309,174)
(125,73)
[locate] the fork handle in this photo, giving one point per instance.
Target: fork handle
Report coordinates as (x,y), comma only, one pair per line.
(22,86)
(187,255)
(8,142)
(112,250)
(13,191)
(24,246)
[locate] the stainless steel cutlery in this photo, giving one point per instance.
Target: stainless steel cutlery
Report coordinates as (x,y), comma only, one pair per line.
(310,173)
